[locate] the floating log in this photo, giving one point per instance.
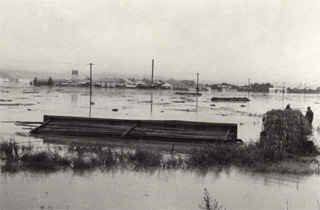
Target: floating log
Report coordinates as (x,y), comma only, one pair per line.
(16,104)
(128,131)
(165,130)
(226,99)
(188,94)
(30,91)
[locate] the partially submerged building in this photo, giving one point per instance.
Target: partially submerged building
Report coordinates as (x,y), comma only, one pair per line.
(110,82)
(167,86)
(277,89)
(182,85)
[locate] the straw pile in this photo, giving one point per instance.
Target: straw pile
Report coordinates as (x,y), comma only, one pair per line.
(286,130)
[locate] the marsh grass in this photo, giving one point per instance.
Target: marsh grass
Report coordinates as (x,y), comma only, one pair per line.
(12,150)
(209,203)
(77,157)
(253,157)
(174,162)
(145,156)
(39,161)
(225,154)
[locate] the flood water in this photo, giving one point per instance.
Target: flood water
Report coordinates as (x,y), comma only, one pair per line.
(158,190)
(153,189)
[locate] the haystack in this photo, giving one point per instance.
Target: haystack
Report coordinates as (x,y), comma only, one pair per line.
(286,130)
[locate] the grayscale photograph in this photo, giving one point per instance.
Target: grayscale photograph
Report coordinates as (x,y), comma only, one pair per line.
(160,104)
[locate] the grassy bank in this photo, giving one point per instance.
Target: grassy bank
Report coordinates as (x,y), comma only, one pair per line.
(252,157)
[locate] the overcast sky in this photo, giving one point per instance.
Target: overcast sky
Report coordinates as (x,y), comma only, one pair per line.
(265,40)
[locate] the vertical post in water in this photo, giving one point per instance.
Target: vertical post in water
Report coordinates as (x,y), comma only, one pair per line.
(90,89)
(152,71)
(197,83)
(197,91)
(152,84)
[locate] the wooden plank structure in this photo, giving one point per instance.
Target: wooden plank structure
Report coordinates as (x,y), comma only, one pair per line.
(163,130)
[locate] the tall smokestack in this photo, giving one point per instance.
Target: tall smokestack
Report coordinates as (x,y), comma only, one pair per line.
(152,71)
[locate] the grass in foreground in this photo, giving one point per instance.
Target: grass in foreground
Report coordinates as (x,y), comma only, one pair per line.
(209,203)
(253,157)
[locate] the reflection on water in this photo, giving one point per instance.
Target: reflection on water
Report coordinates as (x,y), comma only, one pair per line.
(160,189)
(74,98)
(155,188)
(151,104)
(131,104)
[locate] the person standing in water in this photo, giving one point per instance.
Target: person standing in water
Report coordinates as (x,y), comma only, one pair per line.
(309,115)
(288,107)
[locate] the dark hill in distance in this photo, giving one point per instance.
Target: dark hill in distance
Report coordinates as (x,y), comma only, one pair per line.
(5,75)
(20,74)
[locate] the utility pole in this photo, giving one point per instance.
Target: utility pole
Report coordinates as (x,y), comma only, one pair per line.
(249,85)
(197,83)
(90,103)
(91,64)
(197,91)
(152,71)
(283,88)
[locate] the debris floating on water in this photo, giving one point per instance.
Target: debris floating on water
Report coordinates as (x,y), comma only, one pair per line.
(188,94)
(16,104)
(225,99)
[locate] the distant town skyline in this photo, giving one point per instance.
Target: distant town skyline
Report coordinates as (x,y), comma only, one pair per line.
(224,41)
(30,76)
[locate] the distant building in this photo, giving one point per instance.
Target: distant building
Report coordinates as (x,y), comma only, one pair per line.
(224,87)
(140,83)
(111,82)
(296,90)
(67,82)
(167,86)
(8,78)
(182,85)
(129,84)
(277,89)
